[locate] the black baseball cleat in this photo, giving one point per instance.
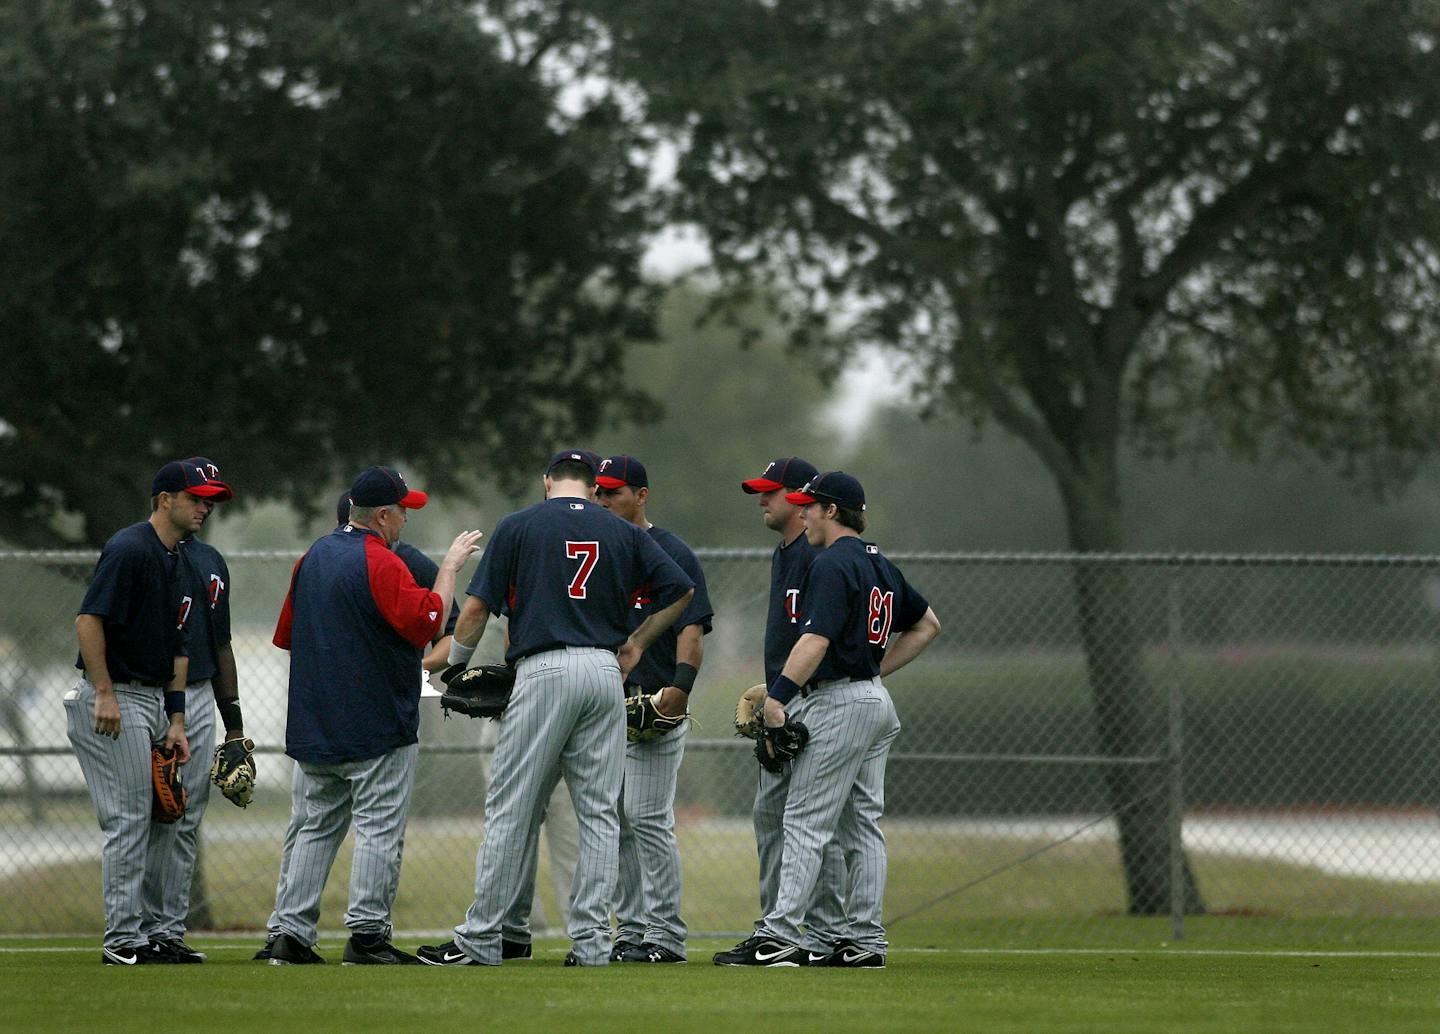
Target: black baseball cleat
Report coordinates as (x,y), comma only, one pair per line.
(447,954)
(375,950)
(288,951)
(174,949)
(744,945)
(263,955)
(848,955)
(622,949)
(762,951)
(516,951)
(657,953)
(126,956)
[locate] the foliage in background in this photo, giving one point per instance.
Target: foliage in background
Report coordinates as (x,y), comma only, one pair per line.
(299,239)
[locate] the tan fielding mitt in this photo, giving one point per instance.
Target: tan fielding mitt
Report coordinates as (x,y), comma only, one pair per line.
(749,710)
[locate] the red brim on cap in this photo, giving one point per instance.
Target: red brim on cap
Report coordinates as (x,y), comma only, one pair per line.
(414,500)
(757,485)
(609,482)
(799,498)
(216,490)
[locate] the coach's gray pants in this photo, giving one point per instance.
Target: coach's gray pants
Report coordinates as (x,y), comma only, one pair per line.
(566,716)
(117,771)
(375,794)
(647,898)
(837,791)
(170,863)
(825,920)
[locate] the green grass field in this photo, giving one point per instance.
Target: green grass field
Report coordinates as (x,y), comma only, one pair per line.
(1267,977)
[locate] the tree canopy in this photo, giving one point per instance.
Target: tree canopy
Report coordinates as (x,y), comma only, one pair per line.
(299,239)
(1086,220)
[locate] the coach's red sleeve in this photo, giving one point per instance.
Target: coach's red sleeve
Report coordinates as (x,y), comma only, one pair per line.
(286,624)
(410,609)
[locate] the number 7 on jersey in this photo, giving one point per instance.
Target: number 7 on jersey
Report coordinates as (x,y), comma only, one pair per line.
(587,553)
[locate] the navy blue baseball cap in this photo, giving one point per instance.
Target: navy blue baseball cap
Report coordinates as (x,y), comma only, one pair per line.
(586,456)
(197,475)
(834,486)
(618,471)
(385,486)
(787,472)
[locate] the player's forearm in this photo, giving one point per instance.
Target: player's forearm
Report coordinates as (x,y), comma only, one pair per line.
(650,629)
(690,646)
(438,657)
(908,645)
(90,630)
(226,685)
(469,627)
(805,657)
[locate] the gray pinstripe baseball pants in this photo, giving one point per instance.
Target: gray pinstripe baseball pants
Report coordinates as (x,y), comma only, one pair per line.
(837,791)
(647,896)
(118,775)
(375,795)
(297,817)
(562,844)
(170,861)
(825,920)
(566,717)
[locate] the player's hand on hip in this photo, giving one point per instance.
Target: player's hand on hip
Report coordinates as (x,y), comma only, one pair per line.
(628,655)
(774,713)
(107,714)
(672,702)
(462,549)
(176,740)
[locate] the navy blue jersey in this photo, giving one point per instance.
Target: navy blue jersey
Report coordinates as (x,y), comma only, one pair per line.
(857,599)
(355,624)
(143,593)
(564,572)
(788,567)
(210,616)
(657,664)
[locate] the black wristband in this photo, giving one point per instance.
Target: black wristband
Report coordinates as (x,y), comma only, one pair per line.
(174,701)
(684,676)
(229,709)
(783,689)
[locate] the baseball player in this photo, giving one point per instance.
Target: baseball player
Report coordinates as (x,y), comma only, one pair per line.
(647,900)
(211,684)
(356,625)
(861,621)
(131,695)
(564,571)
(424,571)
(825,922)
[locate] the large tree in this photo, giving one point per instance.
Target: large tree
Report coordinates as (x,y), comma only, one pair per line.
(1085,220)
(299,237)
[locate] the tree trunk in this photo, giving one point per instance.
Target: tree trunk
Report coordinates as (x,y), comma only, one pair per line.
(1129,719)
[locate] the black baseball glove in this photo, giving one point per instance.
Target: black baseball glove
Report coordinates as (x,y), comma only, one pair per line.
(644,722)
(785,742)
(482,692)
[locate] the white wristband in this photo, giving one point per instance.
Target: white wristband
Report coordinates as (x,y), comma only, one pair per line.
(459,653)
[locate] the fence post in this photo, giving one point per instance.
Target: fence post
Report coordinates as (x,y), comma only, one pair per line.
(1174,758)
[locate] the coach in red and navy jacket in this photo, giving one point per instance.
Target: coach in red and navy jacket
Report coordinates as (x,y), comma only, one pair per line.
(355,623)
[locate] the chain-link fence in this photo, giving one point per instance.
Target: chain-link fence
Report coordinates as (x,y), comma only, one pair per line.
(1072,711)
